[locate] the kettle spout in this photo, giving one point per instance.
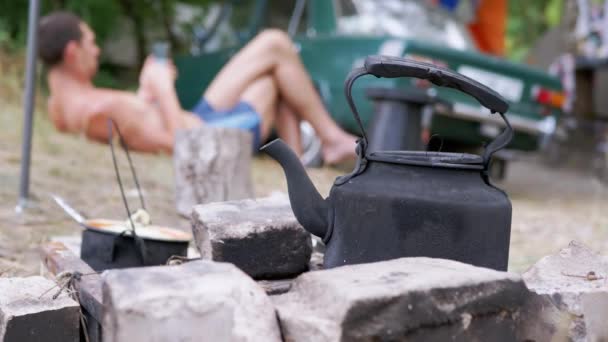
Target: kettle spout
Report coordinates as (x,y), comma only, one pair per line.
(309,207)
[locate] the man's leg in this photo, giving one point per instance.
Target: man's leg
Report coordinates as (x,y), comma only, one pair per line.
(272,53)
(263,97)
(287,125)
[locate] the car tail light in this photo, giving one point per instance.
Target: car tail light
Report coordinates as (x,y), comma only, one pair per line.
(422,84)
(549,97)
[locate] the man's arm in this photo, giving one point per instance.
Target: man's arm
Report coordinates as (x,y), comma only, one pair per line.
(139,124)
(170,108)
(157,80)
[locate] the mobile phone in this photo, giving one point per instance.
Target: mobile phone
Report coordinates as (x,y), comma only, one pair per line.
(160,51)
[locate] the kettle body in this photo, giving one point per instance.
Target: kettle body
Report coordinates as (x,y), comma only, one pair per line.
(407,203)
(392,211)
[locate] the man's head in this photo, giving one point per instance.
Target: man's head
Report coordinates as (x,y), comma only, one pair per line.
(66,41)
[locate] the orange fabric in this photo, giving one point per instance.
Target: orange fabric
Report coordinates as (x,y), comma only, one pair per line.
(488,29)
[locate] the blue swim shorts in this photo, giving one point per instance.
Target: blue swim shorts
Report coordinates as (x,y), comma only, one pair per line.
(242,116)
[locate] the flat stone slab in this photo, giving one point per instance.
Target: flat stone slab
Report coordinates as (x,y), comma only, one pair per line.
(29,313)
(260,236)
(562,285)
(402,299)
(196,301)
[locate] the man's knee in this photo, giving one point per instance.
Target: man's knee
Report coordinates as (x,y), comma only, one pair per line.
(275,40)
(262,87)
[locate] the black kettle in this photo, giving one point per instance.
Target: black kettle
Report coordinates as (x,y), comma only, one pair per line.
(404,203)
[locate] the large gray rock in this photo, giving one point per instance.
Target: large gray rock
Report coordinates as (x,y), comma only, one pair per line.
(29,313)
(260,236)
(197,301)
(403,299)
(595,308)
(560,283)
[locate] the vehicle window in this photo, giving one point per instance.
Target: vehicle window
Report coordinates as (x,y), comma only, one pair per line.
(402,19)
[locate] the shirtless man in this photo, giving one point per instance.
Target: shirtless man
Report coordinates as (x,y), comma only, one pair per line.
(264,85)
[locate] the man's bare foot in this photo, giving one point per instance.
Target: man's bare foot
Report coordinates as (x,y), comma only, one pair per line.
(340,149)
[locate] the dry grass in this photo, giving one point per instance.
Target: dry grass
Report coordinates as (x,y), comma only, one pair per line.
(550,207)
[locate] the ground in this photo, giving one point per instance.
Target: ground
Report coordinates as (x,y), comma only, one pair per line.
(550,206)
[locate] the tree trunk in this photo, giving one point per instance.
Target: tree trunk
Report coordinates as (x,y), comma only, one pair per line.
(131,11)
(166,14)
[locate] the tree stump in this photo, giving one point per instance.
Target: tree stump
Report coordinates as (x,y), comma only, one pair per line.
(212,164)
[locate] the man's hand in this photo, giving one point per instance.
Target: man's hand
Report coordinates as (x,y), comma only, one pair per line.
(157,80)
(157,76)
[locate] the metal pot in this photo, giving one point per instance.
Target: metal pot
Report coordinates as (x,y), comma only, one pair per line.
(108,244)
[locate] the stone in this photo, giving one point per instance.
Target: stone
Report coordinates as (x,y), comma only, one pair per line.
(211,164)
(29,313)
(559,284)
(197,301)
(275,287)
(280,286)
(595,308)
(419,299)
(260,236)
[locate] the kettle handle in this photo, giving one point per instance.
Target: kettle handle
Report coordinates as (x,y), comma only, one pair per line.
(391,67)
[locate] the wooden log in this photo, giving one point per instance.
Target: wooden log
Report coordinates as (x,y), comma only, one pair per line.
(211,164)
(57,258)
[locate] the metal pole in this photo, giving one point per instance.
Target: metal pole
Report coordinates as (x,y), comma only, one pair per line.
(294,21)
(28,102)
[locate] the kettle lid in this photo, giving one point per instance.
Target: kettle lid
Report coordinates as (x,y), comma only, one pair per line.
(429,159)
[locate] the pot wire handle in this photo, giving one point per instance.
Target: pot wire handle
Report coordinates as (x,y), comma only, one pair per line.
(111,126)
(139,242)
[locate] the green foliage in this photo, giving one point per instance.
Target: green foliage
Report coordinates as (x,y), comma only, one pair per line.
(553,12)
(145,16)
(527,21)
(13,29)
(5,39)
(100,14)
(110,77)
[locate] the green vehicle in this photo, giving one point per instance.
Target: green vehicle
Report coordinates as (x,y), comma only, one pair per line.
(334,36)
